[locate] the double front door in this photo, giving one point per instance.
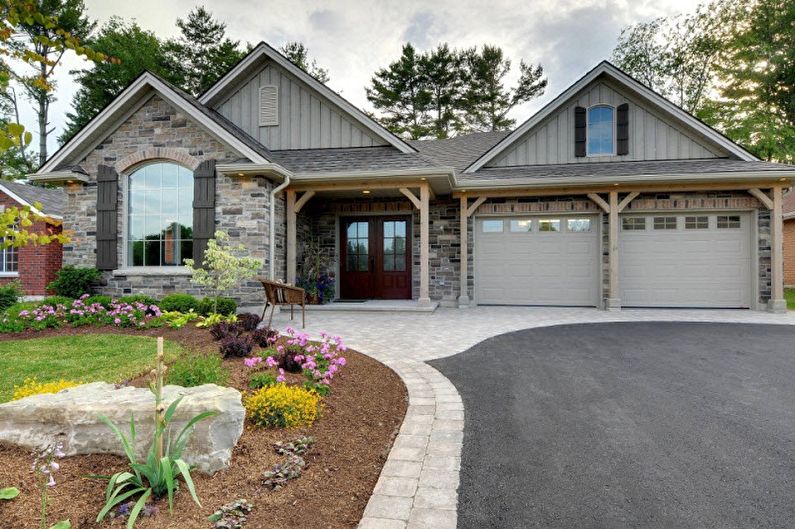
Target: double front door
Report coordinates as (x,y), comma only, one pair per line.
(375,258)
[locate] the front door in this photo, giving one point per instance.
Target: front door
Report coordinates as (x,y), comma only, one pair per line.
(375,258)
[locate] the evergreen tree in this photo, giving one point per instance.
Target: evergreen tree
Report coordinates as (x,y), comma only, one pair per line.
(299,55)
(441,71)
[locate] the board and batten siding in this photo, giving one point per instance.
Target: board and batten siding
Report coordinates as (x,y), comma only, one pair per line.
(651,137)
(306,120)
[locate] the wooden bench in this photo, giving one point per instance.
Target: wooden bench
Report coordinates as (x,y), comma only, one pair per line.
(281,294)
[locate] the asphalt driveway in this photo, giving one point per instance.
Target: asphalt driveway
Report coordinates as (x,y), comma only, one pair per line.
(648,425)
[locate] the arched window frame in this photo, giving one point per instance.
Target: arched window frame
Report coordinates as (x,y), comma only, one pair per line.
(588,130)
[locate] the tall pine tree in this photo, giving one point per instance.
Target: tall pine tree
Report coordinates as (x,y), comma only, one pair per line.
(299,55)
(441,72)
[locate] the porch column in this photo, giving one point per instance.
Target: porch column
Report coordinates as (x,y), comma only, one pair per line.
(614,299)
(291,248)
(777,302)
(424,245)
(463,297)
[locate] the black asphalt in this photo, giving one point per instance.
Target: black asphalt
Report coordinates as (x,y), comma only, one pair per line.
(647,425)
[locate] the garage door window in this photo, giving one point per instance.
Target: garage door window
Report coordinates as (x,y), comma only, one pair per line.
(492,226)
(578,225)
(549,225)
(696,223)
(633,223)
(521,225)
(729,222)
(664,223)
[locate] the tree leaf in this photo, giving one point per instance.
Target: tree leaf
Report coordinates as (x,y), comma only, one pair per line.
(9,493)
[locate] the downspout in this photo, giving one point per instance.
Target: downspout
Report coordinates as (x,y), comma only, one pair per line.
(272,246)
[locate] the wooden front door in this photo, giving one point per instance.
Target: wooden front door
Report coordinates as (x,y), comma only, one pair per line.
(375,258)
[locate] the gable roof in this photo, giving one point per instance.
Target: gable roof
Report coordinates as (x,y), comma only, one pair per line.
(130,99)
(262,52)
(53,201)
(460,151)
(607,69)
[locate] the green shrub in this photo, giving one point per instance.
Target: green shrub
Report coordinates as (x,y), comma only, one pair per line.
(66,301)
(196,370)
(9,294)
(261,380)
(105,301)
(16,308)
(179,303)
(73,281)
(225,306)
(138,298)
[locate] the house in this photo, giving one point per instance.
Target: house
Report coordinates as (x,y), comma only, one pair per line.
(788,209)
(610,196)
(33,266)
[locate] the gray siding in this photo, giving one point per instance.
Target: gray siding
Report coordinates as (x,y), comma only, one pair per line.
(651,136)
(306,119)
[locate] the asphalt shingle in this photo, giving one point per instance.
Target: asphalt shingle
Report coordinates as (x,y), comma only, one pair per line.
(354,159)
(52,200)
(460,151)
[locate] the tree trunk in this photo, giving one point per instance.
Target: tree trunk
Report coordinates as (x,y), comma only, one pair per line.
(41,100)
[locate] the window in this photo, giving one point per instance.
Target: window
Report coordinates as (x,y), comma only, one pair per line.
(601,130)
(9,260)
(633,223)
(394,245)
(729,222)
(549,225)
(521,226)
(664,223)
(696,223)
(358,250)
(492,226)
(160,215)
(578,225)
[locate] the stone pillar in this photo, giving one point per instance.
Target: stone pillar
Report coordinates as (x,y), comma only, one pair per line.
(463,297)
(424,245)
(291,235)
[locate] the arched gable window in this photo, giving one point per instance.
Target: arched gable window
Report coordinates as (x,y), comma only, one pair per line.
(159,215)
(601,130)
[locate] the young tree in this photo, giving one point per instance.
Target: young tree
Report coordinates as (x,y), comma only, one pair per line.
(203,53)
(487,101)
(299,55)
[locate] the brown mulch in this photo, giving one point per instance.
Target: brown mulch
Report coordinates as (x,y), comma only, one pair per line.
(360,418)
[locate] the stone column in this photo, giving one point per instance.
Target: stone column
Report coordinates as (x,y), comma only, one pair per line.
(463,297)
(291,244)
(424,245)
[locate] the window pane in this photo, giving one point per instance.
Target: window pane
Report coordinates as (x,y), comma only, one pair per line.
(136,257)
(549,225)
(389,263)
(400,262)
(633,223)
(352,230)
(664,223)
(521,226)
(579,225)
(186,251)
(729,222)
(400,228)
(389,246)
(696,223)
(152,253)
(600,130)
(492,226)
(389,229)
(400,245)
(363,265)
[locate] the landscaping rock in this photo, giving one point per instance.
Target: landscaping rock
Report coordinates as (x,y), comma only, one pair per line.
(71,416)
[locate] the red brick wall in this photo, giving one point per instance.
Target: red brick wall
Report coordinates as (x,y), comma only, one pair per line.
(37,264)
(789,252)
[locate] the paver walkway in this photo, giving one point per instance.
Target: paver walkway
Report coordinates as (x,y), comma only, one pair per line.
(418,487)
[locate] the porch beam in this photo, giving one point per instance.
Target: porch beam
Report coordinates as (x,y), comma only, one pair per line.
(463,277)
(627,200)
(475,205)
(355,186)
(762,197)
(424,245)
(414,200)
(599,201)
(303,200)
(291,229)
(777,301)
(614,300)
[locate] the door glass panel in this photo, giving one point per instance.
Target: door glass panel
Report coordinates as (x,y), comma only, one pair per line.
(492,226)
(521,225)
(394,245)
(357,247)
(578,225)
(549,225)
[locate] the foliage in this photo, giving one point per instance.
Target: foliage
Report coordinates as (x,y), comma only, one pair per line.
(236,346)
(139,298)
(105,301)
(248,321)
(217,305)
(212,319)
(319,363)
(278,476)
(179,302)
(15,223)
(261,380)
(56,300)
(158,476)
(299,446)
(44,467)
(232,515)
(265,337)
(73,281)
(282,406)
(222,268)
(9,493)
(177,320)
(31,386)
(195,370)
(224,329)
(299,55)
(314,276)
(9,294)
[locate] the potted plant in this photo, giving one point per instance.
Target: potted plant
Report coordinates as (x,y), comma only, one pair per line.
(314,276)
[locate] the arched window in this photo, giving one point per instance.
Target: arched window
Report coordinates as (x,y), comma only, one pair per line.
(601,130)
(160,215)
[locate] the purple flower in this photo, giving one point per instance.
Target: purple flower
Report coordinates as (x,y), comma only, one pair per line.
(253,361)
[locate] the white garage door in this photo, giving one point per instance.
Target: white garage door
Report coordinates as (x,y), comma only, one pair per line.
(685,260)
(537,260)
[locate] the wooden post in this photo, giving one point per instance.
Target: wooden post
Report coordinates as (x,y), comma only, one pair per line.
(777,302)
(424,246)
(463,297)
(291,250)
(614,300)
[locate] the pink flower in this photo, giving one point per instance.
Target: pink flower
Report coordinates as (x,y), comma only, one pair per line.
(116,321)
(251,362)
(341,361)
(281,377)
(271,362)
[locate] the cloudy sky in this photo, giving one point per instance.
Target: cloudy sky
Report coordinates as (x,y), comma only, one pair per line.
(353,38)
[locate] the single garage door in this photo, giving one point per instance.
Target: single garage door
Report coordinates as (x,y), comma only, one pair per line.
(550,260)
(685,260)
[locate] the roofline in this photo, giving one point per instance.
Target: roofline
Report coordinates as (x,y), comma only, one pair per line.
(274,170)
(24,202)
(268,51)
(133,89)
(643,90)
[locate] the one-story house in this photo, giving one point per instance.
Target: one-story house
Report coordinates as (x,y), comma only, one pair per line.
(609,196)
(33,266)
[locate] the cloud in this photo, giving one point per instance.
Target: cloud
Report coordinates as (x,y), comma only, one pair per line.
(422,30)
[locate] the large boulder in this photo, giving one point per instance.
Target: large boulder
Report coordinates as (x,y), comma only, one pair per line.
(71,416)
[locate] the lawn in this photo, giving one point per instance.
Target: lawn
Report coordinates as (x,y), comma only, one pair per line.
(84,358)
(789,295)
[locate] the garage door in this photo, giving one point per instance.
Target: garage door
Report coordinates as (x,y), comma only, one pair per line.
(537,260)
(691,260)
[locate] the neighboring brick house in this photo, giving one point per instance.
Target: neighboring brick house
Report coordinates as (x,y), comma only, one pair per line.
(33,266)
(609,196)
(789,238)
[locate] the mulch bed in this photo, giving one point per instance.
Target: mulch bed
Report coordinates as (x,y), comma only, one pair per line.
(359,421)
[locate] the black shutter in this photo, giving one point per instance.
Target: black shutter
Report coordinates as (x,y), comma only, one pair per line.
(579,132)
(107,229)
(203,208)
(622,129)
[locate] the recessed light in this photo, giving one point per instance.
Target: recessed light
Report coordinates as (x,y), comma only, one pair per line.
(782,179)
(240,174)
(366,192)
(615,184)
(423,178)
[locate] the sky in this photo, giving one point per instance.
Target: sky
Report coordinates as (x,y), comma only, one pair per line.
(354,38)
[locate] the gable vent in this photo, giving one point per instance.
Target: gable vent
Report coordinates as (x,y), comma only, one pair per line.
(268,105)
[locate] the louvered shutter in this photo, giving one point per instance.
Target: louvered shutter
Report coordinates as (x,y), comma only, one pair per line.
(107,225)
(203,208)
(579,132)
(622,129)
(268,106)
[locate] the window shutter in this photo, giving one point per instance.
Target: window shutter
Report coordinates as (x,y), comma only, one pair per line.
(107,228)
(203,208)
(579,132)
(622,129)
(268,105)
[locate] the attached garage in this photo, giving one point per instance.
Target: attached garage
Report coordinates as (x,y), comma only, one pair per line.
(686,260)
(549,260)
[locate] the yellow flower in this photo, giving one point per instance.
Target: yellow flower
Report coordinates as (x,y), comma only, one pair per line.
(282,406)
(32,387)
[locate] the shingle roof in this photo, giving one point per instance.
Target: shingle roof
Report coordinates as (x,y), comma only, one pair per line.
(352,159)
(460,151)
(52,200)
(608,169)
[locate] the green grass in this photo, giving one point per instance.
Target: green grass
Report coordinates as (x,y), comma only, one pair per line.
(85,358)
(789,295)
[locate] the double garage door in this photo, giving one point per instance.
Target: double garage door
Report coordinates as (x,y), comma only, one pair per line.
(677,260)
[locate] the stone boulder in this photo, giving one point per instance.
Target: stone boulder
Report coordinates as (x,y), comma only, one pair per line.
(71,416)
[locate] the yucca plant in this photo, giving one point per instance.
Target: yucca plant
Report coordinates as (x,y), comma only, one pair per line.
(159,475)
